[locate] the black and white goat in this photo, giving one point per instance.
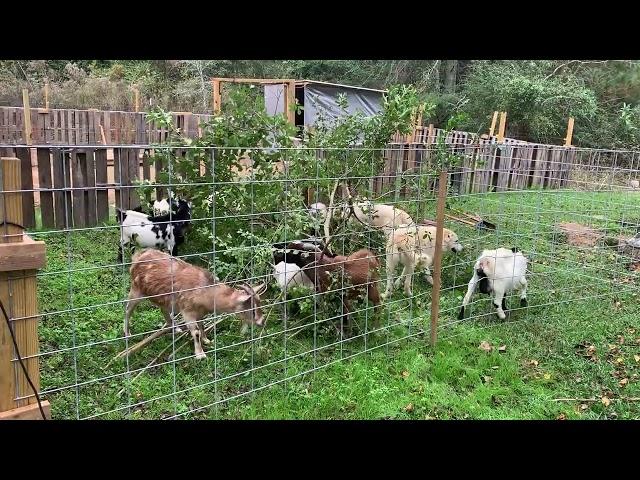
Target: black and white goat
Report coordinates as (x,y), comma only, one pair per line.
(498,272)
(164,232)
(291,258)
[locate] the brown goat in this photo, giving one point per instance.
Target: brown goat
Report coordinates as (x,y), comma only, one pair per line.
(196,293)
(360,271)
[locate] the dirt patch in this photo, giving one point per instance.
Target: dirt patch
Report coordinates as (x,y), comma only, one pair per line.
(580,235)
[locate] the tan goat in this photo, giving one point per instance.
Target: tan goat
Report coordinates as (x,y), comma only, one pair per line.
(196,293)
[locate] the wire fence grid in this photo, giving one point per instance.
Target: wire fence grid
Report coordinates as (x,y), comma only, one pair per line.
(572,212)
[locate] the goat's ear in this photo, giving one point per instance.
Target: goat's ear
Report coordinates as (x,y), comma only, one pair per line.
(243,298)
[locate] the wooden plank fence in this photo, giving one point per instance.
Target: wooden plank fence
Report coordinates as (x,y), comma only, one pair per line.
(90,127)
(75,186)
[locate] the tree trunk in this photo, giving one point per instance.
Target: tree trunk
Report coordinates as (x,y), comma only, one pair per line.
(450,75)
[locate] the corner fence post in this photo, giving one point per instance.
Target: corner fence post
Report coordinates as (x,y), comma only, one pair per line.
(437,258)
(20,257)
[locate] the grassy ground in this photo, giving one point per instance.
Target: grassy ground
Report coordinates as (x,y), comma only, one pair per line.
(579,339)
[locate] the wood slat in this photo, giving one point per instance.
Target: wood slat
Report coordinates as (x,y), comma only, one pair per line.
(26,175)
(59,194)
(134,176)
(89,173)
(45,181)
(102,194)
(79,201)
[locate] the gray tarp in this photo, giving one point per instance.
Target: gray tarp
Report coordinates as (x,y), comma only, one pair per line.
(274,99)
(323,97)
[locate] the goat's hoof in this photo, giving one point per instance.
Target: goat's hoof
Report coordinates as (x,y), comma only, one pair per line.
(430,280)
(201,355)
(523,302)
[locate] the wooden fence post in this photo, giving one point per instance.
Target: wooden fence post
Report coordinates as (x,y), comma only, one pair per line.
(46,95)
(569,137)
(217,100)
(136,99)
(20,257)
(290,101)
(26,108)
(437,257)
(503,126)
(492,130)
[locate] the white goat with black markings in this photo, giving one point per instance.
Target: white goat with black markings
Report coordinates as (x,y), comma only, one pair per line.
(164,232)
(498,272)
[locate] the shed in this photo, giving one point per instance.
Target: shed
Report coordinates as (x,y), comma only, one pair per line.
(316,97)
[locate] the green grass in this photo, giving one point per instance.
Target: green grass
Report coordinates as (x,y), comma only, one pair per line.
(578,297)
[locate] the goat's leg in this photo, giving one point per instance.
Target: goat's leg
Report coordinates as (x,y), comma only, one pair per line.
(392,263)
(133,300)
(499,303)
(427,270)
(374,297)
(523,292)
(407,280)
(473,283)
(398,281)
(168,319)
(121,251)
(203,333)
(192,323)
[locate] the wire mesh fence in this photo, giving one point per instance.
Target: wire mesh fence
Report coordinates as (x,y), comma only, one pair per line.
(294,260)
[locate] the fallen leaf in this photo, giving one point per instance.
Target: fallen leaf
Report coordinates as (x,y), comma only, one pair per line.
(495,367)
(605,401)
(584,406)
(547,376)
(409,408)
(619,360)
(485,346)
(405,374)
(533,362)
(487,378)
(578,379)
(562,416)
(620,339)
(503,348)
(636,358)
(623,382)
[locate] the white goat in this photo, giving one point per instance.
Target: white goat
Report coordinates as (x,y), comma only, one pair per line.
(498,272)
(379,215)
(289,275)
(414,247)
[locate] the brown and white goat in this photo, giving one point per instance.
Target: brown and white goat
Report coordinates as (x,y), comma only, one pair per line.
(360,270)
(196,293)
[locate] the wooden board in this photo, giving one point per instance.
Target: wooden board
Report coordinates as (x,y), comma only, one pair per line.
(30,412)
(134,176)
(79,203)
(45,182)
(10,203)
(89,174)
(26,175)
(26,255)
(117,177)
(102,194)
